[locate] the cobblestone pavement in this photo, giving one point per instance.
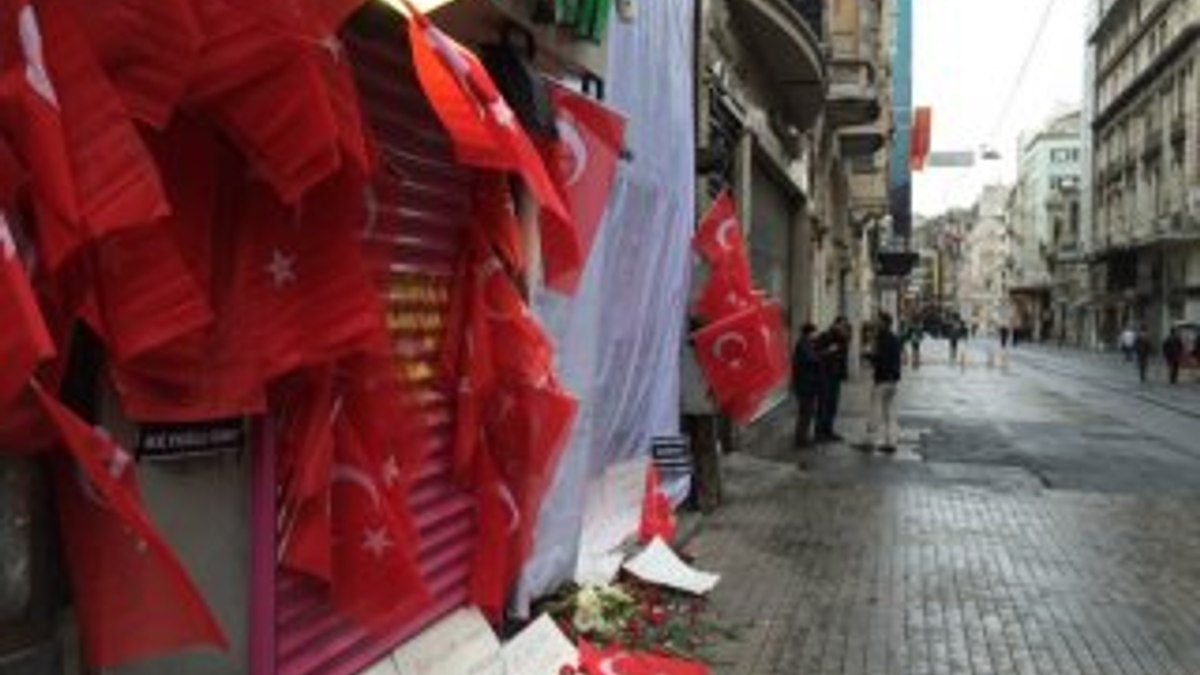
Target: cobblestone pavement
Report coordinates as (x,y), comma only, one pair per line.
(929,563)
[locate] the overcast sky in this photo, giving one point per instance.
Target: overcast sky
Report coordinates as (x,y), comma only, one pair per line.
(966,57)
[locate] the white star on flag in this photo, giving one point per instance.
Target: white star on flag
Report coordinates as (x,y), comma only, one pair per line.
(282,268)
(334,46)
(376,541)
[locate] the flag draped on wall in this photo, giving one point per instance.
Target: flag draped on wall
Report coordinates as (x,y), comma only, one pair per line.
(742,348)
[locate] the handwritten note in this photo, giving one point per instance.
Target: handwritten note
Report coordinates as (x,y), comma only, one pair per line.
(540,649)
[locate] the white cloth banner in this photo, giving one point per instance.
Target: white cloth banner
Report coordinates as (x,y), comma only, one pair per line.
(618,338)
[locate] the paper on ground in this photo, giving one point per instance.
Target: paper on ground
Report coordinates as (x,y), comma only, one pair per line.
(658,564)
(461,644)
(540,649)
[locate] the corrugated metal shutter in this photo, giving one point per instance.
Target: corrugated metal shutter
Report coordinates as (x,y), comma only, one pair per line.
(420,225)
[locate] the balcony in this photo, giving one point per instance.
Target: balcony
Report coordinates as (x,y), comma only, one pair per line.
(868,194)
(853,95)
(863,140)
(781,35)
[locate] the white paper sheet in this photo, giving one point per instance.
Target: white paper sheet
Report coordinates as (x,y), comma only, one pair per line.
(540,649)
(658,564)
(461,644)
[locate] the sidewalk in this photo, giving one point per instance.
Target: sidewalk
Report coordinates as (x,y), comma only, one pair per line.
(862,564)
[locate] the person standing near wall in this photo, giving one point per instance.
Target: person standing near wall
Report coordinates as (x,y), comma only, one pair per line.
(1141,349)
(1173,354)
(833,347)
(807,383)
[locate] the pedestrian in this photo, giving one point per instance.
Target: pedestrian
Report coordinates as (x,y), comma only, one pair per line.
(1128,337)
(914,341)
(1172,350)
(885,363)
(1004,337)
(833,348)
(1141,350)
(954,333)
(807,382)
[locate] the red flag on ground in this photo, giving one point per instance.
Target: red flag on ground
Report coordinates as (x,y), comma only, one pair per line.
(719,239)
(24,340)
(133,598)
(617,661)
(583,161)
(658,518)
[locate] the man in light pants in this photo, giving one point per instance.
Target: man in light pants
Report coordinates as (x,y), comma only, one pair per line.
(885,362)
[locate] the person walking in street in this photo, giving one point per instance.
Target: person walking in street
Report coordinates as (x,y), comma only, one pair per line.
(1004,337)
(1172,350)
(914,341)
(833,348)
(954,333)
(1127,339)
(807,383)
(1141,350)
(885,359)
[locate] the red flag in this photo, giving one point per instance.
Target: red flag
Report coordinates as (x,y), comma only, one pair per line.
(724,293)
(719,239)
(87,162)
(376,579)
(738,356)
(583,162)
(24,340)
(150,71)
(615,660)
(133,598)
(658,518)
(484,128)
(922,131)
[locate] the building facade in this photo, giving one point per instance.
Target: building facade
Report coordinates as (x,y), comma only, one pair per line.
(1048,170)
(1145,196)
(984,273)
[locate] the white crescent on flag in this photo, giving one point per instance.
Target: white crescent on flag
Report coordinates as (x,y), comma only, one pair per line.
(718,348)
(723,232)
(8,245)
(506,496)
(352,475)
(569,134)
(608,666)
(35,60)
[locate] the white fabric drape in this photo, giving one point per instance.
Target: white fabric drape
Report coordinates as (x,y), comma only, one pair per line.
(618,338)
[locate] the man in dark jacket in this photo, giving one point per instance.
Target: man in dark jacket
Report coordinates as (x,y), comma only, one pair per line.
(1173,353)
(1141,349)
(807,381)
(885,360)
(833,347)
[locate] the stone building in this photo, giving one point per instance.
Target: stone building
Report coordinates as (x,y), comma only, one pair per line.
(1145,192)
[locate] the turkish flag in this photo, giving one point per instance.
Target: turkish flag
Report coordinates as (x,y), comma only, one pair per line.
(88,165)
(270,93)
(214,371)
(739,357)
(726,292)
(615,660)
(719,238)
(150,72)
(496,214)
(24,340)
(484,129)
(583,161)
(922,131)
(133,598)
(376,579)
(658,518)
(13,176)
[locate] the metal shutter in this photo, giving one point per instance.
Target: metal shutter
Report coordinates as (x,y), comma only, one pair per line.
(420,228)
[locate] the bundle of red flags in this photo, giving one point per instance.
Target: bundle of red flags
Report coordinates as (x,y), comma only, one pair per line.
(658,518)
(743,346)
(186,178)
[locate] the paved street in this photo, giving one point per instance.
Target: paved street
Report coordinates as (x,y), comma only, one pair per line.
(1039,519)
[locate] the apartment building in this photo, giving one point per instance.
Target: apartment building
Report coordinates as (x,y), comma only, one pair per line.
(1145,192)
